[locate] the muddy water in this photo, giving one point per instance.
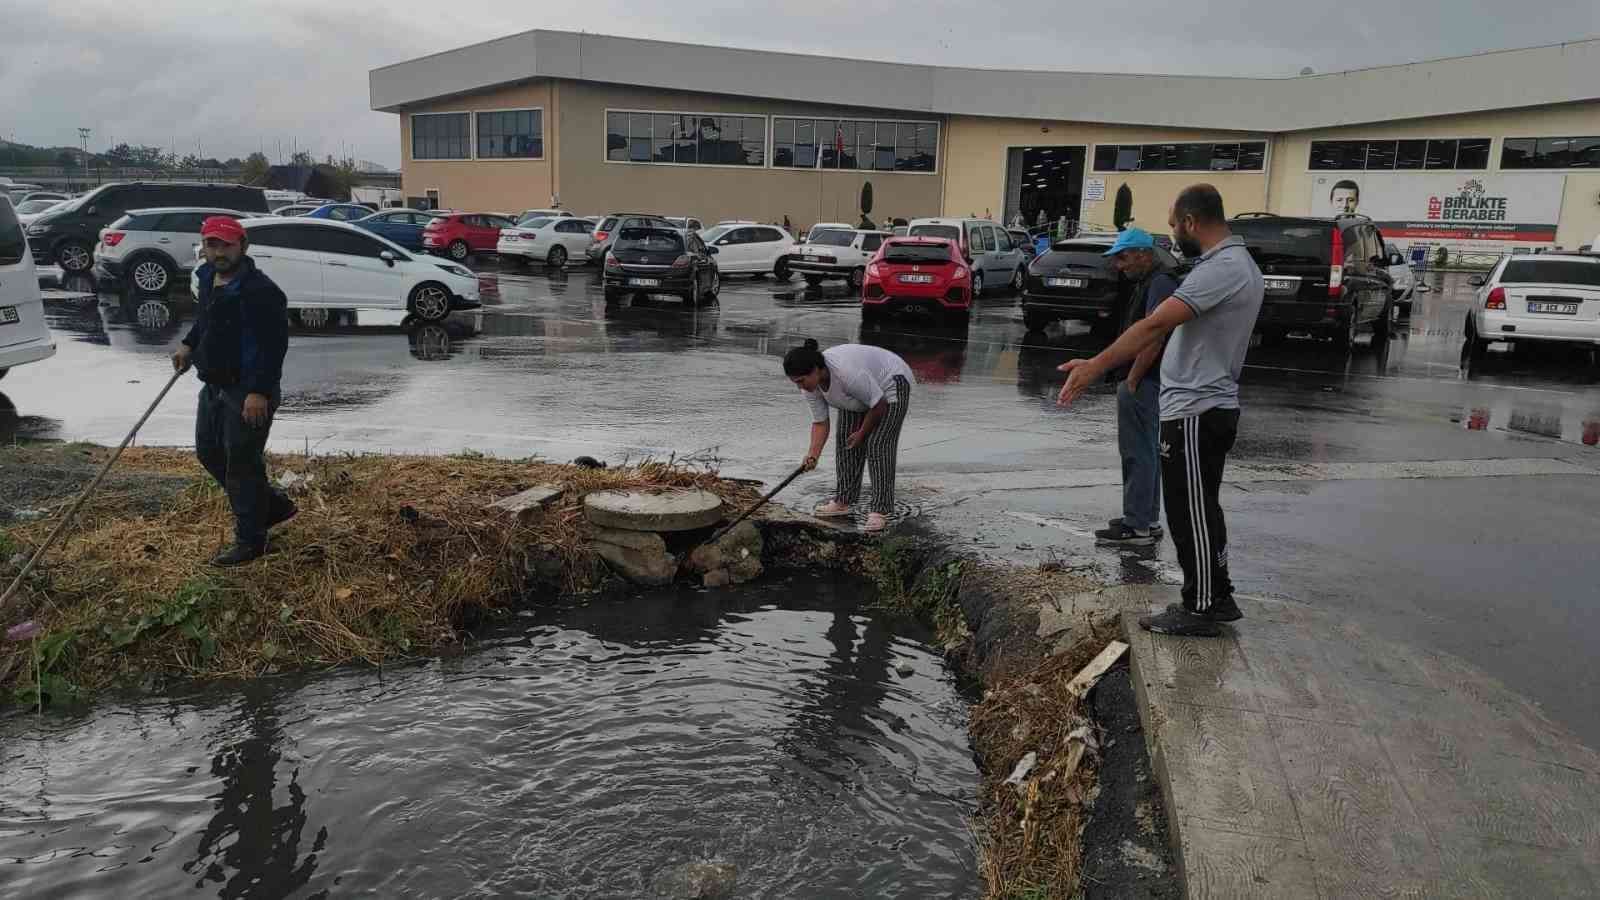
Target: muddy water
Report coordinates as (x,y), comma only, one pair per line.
(577,752)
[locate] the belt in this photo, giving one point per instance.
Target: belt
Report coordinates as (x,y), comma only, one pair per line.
(220,377)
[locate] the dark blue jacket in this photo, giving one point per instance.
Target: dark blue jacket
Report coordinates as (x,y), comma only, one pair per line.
(241,331)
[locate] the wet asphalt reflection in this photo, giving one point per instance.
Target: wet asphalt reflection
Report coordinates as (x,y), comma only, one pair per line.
(1344,517)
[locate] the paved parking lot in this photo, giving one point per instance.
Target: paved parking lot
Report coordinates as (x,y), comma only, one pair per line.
(1364,484)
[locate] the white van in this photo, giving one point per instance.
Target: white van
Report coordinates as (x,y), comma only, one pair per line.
(23,335)
(996,258)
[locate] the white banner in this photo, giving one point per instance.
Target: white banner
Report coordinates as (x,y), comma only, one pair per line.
(1446,206)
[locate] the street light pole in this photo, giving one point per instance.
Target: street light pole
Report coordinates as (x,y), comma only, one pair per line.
(83,142)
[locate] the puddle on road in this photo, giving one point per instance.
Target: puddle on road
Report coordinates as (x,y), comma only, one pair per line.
(575,752)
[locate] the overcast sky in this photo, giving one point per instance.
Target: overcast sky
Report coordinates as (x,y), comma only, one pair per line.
(227,79)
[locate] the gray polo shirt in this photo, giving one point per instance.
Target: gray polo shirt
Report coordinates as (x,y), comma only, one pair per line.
(1201,365)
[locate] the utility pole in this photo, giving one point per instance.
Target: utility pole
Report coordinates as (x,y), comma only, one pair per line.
(83,142)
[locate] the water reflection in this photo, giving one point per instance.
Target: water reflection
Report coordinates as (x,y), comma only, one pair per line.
(649,314)
(935,354)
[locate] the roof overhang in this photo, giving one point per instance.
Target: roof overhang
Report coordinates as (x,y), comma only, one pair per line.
(1559,73)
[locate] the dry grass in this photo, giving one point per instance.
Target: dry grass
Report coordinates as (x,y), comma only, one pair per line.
(1029,836)
(388,557)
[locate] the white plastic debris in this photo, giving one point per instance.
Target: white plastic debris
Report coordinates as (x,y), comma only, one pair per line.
(904,668)
(1024,766)
(291,478)
(1084,734)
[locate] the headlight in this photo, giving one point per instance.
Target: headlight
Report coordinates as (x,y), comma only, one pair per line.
(457,271)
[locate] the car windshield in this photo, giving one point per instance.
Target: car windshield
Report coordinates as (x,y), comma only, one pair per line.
(534,222)
(1552,271)
(657,239)
(895,252)
(35,206)
(1071,247)
(714,232)
(833,238)
(1275,242)
(940,231)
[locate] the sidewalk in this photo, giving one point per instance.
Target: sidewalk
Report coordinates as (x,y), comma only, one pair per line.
(1300,757)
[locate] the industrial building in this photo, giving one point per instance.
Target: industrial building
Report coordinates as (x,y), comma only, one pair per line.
(1493,150)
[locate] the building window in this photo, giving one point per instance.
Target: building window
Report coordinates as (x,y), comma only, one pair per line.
(686,138)
(855,145)
(1551,153)
(441,136)
(1437,153)
(1249,156)
(511,134)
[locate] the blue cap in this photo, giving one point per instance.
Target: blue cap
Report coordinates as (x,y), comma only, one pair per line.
(1132,239)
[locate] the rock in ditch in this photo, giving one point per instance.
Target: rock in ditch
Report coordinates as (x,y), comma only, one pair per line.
(733,558)
(698,881)
(639,556)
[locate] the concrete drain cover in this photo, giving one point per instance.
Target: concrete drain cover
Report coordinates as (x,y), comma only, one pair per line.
(670,511)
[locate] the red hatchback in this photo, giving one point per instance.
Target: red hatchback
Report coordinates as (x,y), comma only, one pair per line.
(920,273)
(459,235)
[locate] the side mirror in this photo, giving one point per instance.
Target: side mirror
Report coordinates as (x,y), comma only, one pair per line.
(712,251)
(1478,281)
(387,256)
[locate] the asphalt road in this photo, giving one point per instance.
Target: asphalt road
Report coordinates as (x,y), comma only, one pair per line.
(1445,508)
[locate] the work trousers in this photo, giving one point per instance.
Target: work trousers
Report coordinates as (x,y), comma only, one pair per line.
(877,452)
(232,451)
(1193,453)
(1138,437)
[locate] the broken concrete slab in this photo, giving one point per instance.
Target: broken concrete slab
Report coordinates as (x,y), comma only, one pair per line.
(639,556)
(733,558)
(530,504)
(665,511)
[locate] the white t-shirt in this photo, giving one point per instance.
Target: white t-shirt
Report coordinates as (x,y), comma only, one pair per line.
(859,375)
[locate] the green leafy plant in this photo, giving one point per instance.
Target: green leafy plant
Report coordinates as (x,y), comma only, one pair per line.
(183,612)
(48,687)
(1122,207)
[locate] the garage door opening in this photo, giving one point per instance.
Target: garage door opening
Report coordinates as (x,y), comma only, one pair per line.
(1044,184)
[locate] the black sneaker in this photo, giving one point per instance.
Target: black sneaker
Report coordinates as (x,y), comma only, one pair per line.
(1220,611)
(283,514)
(1124,536)
(237,555)
(1180,622)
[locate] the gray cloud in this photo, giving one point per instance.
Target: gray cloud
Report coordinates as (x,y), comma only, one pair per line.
(229,79)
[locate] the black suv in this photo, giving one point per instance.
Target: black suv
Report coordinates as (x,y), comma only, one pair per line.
(1075,280)
(66,235)
(1325,276)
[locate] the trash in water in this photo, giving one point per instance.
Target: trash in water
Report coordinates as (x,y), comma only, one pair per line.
(904,669)
(1024,766)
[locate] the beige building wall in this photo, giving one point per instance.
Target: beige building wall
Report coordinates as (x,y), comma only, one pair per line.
(977,180)
(1291,175)
(590,184)
(500,185)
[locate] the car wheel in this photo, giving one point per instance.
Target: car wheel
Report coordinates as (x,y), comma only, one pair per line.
(459,250)
(977,283)
(74,256)
(780,270)
(430,302)
(1344,340)
(716,284)
(557,258)
(858,275)
(150,275)
(813,281)
(1018,280)
(1036,321)
(1382,328)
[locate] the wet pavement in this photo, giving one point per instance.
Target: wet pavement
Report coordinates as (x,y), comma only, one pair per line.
(1482,552)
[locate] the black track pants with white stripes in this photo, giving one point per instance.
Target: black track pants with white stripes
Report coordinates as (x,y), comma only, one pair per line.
(877,454)
(1193,452)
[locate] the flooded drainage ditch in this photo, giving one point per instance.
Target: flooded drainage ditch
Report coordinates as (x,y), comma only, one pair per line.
(579,722)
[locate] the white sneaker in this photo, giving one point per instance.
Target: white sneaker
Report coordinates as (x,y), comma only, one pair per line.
(832,509)
(876,522)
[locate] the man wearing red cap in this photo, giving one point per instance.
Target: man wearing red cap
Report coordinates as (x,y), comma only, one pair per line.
(237,345)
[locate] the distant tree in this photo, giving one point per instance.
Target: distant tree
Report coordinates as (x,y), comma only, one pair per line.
(120,155)
(210,162)
(66,159)
(190,161)
(233,164)
(1122,209)
(302,158)
(255,169)
(343,176)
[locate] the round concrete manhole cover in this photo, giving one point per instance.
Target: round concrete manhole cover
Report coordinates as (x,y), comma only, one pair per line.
(669,511)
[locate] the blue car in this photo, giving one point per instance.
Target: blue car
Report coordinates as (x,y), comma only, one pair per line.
(340,212)
(403,226)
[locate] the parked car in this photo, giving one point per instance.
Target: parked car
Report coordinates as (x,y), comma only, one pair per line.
(837,253)
(1551,297)
(987,247)
(531,214)
(688,223)
(1327,276)
(44,195)
(1022,241)
(150,249)
(1403,281)
(24,337)
(340,212)
(322,264)
(1074,280)
(29,210)
(606,232)
(552,240)
(654,259)
(750,248)
(66,235)
(403,226)
(921,273)
(816,229)
(293,210)
(459,235)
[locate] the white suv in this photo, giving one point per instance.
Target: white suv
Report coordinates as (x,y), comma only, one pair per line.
(24,338)
(1536,297)
(837,253)
(152,248)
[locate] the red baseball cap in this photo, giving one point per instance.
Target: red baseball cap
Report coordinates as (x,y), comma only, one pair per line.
(223,228)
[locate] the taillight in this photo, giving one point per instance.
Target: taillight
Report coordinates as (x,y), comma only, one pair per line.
(112,238)
(681,262)
(1336,271)
(874,271)
(1497,299)
(600,236)
(611,262)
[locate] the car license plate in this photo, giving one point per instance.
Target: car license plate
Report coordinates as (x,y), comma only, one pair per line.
(1278,284)
(8,315)
(1064,282)
(645,282)
(1548,306)
(917,279)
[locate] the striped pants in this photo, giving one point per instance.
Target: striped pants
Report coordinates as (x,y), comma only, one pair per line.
(877,452)
(1193,453)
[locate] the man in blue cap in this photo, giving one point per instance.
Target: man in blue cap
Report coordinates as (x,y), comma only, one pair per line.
(1137,257)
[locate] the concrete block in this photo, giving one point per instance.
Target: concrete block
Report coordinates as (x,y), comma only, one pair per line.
(1220,865)
(530,504)
(641,557)
(676,510)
